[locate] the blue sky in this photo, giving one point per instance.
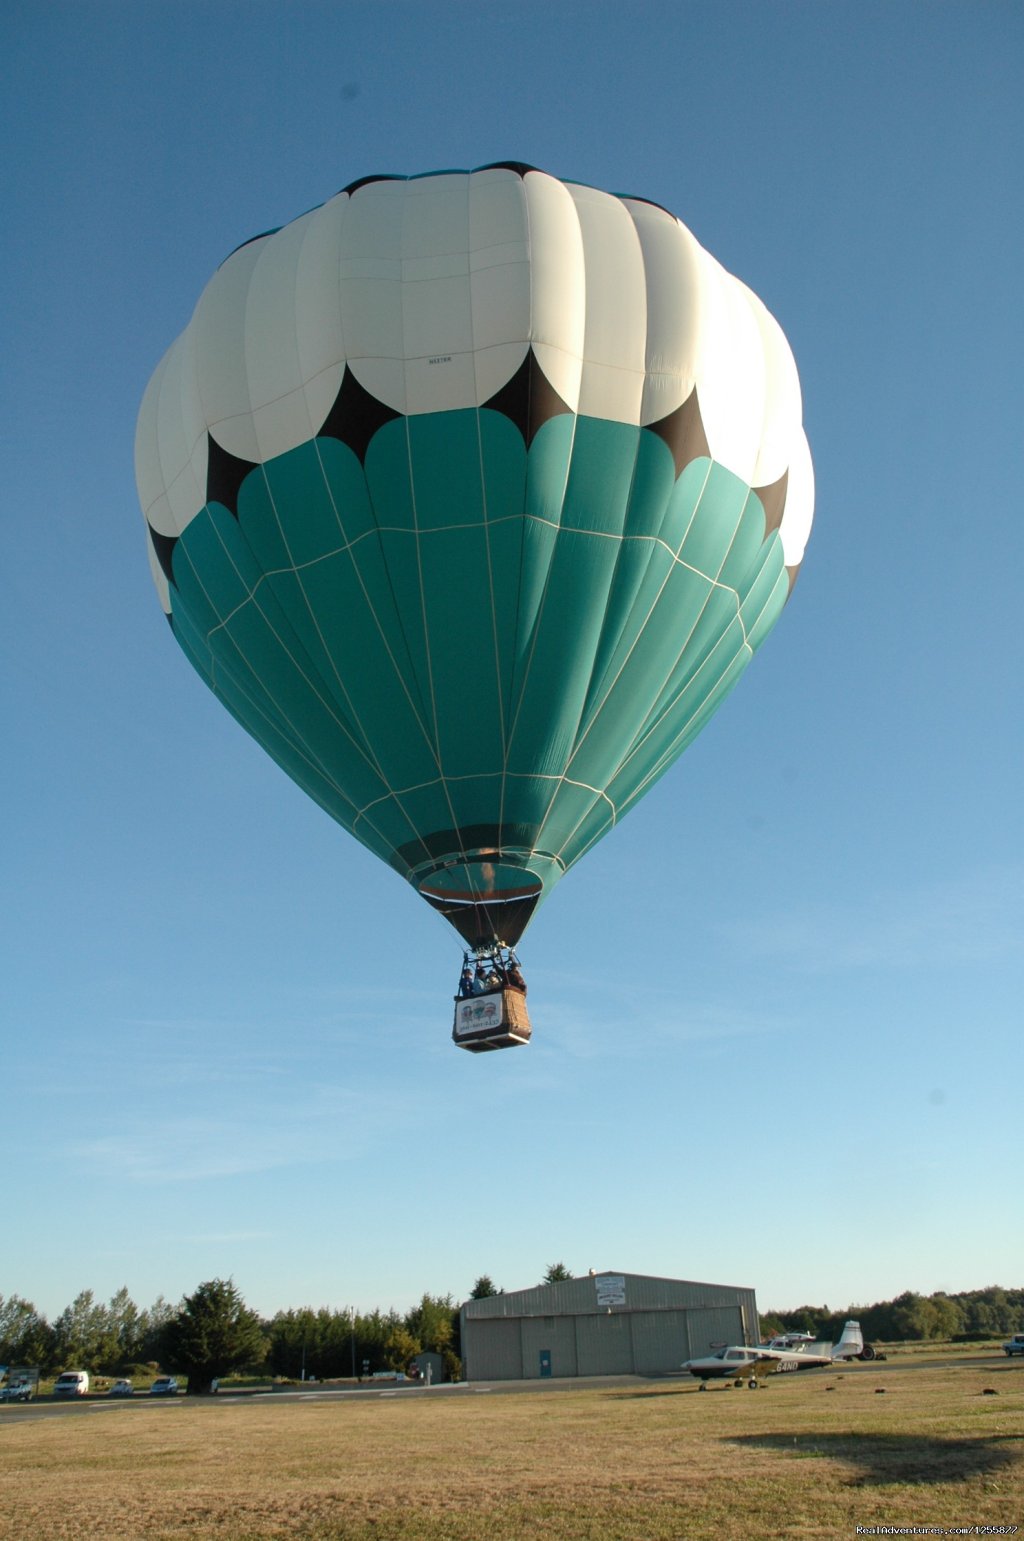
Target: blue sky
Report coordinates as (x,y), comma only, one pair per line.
(777,1012)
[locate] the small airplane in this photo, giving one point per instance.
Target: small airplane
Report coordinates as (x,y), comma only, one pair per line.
(790,1351)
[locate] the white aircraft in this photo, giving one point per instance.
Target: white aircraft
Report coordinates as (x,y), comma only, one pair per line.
(791,1351)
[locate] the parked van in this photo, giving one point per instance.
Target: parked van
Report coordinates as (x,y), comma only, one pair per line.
(71,1383)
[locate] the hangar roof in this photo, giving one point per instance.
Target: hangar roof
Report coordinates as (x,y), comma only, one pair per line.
(596,1293)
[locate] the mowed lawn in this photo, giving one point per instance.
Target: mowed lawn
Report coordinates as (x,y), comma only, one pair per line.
(813,1454)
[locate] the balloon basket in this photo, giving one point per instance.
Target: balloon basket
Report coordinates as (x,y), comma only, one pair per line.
(497,1019)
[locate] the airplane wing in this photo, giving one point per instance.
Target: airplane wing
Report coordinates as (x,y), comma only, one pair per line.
(790,1359)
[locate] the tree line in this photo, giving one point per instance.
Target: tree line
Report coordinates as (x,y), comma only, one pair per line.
(214,1326)
(212,1332)
(987,1313)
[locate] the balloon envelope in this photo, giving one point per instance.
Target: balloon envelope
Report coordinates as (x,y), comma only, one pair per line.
(471,496)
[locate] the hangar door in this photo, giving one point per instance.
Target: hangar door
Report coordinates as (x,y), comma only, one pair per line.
(496,1352)
(659,1341)
(708,1326)
(604,1345)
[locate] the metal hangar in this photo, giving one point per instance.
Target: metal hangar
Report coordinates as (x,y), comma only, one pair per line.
(602,1324)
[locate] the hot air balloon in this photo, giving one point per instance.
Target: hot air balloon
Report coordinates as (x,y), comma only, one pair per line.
(471,495)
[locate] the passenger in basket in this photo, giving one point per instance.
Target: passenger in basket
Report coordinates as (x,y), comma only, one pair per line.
(479,980)
(466,982)
(514,975)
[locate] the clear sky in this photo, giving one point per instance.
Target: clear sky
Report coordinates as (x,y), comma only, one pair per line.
(777,1013)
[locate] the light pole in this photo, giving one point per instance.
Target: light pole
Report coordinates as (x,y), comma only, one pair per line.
(352,1328)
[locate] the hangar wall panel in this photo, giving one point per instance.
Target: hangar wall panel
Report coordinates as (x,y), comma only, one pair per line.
(497,1354)
(659,1339)
(604,1345)
(713,1325)
(557,1336)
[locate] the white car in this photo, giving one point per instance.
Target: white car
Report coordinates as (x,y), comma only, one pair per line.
(121,1388)
(164,1386)
(20,1389)
(72,1383)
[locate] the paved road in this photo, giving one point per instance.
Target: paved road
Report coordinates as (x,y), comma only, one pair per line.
(312,1392)
(142,1404)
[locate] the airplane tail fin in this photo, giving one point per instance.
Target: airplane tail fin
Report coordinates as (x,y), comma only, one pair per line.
(850,1344)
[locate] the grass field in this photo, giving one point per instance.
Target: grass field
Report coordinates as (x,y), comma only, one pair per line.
(808,1455)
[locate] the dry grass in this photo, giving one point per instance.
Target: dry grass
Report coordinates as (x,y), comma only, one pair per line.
(810,1455)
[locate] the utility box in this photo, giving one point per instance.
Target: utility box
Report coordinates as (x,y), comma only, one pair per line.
(430,1367)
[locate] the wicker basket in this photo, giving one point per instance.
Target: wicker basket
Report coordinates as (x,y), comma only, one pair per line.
(512,1028)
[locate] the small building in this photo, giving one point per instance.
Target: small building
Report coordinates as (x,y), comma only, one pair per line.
(430,1368)
(602,1324)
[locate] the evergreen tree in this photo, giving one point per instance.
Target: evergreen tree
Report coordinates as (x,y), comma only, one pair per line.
(151,1326)
(82,1333)
(122,1339)
(213,1334)
(296,1344)
(26,1337)
(431,1322)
